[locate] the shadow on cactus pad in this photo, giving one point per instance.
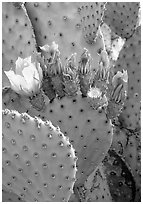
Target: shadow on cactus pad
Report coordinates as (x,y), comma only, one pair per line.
(120,179)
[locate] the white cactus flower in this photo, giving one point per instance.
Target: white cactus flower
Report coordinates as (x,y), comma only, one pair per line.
(27,78)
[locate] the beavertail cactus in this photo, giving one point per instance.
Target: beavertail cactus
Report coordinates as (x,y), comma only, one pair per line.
(79,121)
(119,178)
(113,43)
(97,187)
(68,63)
(122,17)
(68,16)
(17,35)
(128,145)
(91,18)
(130,60)
(39,163)
(9,196)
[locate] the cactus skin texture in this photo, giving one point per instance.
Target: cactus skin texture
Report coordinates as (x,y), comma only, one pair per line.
(128,145)
(113,43)
(119,178)
(130,117)
(99,190)
(39,163)
(78,121)
(130,60)
(17,36)
(95,189)
(122,17)
(9,196)
(91,17)
(69,25)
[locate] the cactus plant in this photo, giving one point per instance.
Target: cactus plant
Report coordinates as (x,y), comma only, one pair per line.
(79,122)
(127,144)
(17,36)
(91,18)
(99,190)
(9,196)
(95,189)
(122,17)
(67,14)
(38,161)
(119,178)
(82,84)
(81,112)
(130,60)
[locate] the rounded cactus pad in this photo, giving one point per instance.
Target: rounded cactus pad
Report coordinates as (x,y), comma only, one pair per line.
(122,17)
(88,130)
(39,163)
(17,36)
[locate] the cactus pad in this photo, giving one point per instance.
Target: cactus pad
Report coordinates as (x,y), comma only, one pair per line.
(39,163)
(17,36)
(8,196)
(130,60)
(97,187)
(119,178)
(122,17)
(128,145)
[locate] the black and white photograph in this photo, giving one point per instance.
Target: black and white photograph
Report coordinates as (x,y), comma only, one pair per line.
(71,101)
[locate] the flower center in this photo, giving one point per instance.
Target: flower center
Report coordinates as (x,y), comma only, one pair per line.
(25,64)
(94,93)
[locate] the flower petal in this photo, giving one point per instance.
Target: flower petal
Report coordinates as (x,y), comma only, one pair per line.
(28,60)
(54,46)
(19,66)
(28,73)
(17,82)
(39,71)
(32,79)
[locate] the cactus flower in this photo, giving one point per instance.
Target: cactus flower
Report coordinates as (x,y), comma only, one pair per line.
(120,84)
(27,78)
(52,60)
(94,93)
(50,52)
(120,75)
